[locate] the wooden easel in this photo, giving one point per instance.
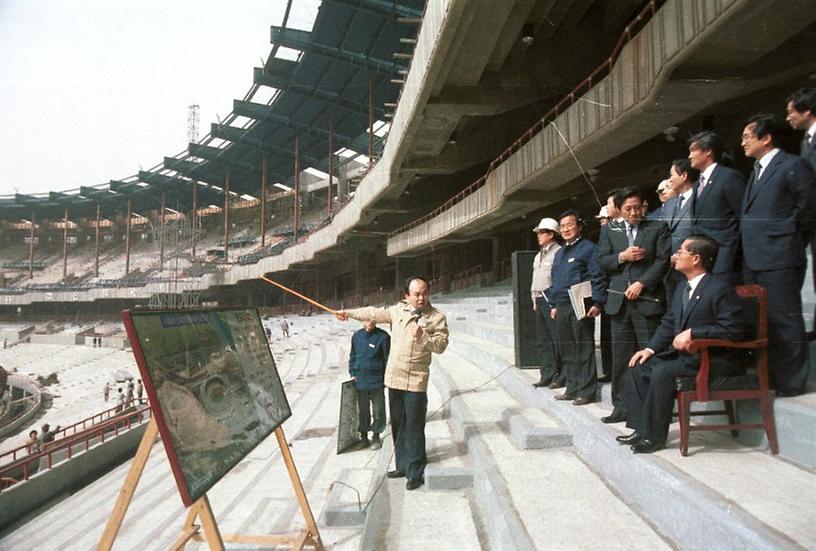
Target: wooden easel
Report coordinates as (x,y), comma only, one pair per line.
(201,508)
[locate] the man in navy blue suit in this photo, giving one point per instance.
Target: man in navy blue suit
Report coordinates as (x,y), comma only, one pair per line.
(705,307)
(716,202)
(635,256)
(777,212)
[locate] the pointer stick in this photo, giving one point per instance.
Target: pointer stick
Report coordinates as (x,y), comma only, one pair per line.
(307,299)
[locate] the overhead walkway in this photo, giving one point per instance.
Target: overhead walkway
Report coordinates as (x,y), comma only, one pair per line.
(643,88)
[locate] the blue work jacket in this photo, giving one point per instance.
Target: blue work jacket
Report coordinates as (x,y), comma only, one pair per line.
(368,356)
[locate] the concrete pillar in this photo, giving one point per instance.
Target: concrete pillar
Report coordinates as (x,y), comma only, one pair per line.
(370,121)
(65,245)
(194,216)
(227,183)
(161,233)
(330,199)
(96,246)
(296,213)
(31,248)
(127,235)
(264,181)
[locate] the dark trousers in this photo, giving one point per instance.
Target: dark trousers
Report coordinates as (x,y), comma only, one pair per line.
(631,332)
(408,411)
(606,345)
(787,349)
(576,341)
(368,400)
(651,395)
(549,359)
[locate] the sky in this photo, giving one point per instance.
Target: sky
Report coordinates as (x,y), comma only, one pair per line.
(94,90)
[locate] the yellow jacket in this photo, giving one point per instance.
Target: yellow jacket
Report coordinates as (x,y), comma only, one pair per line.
(407,367)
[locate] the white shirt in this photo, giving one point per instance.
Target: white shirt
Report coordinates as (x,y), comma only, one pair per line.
(686,195)
(765,160)
(694,282)
(706,174)
(634,230)
(811,132)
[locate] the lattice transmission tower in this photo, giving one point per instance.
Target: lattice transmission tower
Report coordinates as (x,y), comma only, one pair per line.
(192,123)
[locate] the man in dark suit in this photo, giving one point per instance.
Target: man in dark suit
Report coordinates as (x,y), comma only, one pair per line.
(681,178)
(716,202)
(635,256)
(801,110)
(777,212)
(705,307)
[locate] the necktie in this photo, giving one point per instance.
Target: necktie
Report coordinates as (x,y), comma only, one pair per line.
(752,181)
(686,296)
(679,206)
(701,185)
(630,235)
(807,146)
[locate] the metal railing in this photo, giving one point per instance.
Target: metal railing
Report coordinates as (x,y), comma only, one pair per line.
(88,425)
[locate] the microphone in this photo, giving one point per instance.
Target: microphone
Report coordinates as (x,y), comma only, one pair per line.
(417,315)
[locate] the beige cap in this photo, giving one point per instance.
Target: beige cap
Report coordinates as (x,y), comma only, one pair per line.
(547,224)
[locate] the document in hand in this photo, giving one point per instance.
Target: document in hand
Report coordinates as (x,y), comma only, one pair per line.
(580,296)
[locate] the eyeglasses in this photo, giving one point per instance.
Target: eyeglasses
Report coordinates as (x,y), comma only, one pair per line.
(684,251)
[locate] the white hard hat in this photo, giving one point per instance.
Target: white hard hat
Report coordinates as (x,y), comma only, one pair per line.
(547,224)
(603,213)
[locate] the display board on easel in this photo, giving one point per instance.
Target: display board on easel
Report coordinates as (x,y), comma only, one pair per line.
(215,394)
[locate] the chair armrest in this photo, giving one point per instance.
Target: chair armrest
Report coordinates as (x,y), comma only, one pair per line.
(697,345)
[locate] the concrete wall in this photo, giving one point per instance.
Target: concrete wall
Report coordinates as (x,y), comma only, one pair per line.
(29,387)
(63,340)
(24,497)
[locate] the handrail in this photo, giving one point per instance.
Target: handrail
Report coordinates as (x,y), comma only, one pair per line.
(64,432)
(583,87)
(121,423)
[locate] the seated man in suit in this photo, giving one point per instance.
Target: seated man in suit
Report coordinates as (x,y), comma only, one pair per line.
(635,256)
(705,307)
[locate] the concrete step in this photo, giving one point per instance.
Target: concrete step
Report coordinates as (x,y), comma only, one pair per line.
(738,497)
(555,516)
(493,332)
(438,515)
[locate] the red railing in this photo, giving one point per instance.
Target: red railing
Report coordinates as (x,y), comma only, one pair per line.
(594,77)
(22,451)
(123,422)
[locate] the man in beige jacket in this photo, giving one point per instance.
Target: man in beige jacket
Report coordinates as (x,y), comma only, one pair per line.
(417,330)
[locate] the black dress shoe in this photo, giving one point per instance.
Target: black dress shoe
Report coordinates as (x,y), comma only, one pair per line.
(565,396)
(414,483)
(647,446)
(581,401)
(629,439)
(787,393)
(614,417)
(395,474)
(555,384)
(543,383)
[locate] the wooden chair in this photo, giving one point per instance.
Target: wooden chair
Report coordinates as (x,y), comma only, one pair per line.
(702,388)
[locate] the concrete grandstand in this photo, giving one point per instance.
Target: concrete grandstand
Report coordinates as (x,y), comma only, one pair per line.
(420,137)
